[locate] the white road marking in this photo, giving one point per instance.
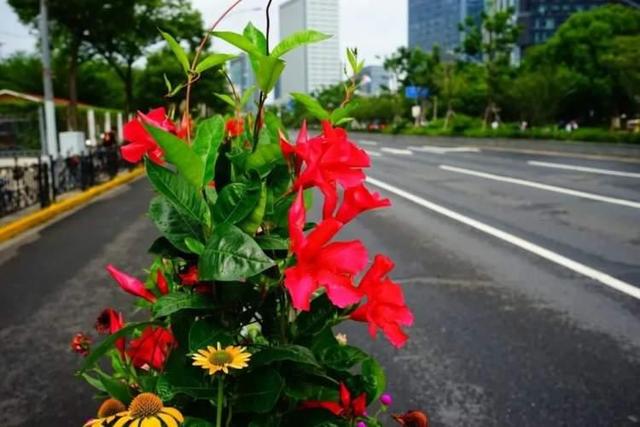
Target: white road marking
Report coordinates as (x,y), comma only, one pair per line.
(397,151)
(562,190)
(373,153)
(367,142)
(554,257)
(584,169)
(445,150)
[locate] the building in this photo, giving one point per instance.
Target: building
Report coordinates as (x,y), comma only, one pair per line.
(375,79)
(317,65)
(436,22)
(242,76)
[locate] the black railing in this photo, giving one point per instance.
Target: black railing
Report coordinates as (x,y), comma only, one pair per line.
(31,181)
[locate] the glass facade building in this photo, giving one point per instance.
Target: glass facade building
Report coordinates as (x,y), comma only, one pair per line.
(435,22)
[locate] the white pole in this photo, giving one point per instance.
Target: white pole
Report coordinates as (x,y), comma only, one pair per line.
(120,128)
(91,122)
(51,147)
(107,121)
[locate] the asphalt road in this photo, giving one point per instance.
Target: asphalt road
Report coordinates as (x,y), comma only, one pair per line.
(527,311)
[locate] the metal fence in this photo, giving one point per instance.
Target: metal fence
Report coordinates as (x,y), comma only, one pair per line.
(28,181)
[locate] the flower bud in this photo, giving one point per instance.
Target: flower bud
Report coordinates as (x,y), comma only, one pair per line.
(386,399)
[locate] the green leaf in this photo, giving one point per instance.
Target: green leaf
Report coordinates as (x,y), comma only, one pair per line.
(246,96)
(177,301)
(209,137)
(232,255)
(109,343)
(226,98)
(292,353)
(269,71)
(174,224)
(94,382)
(196,422)
(311,105)
(194,246)
(342,358)
(339,114)
(314,321)
(264,159)
(353,61)
(183,195)
(259,41)
(177,50)
(239,41)
(205,332)
(375,379)
(116,388)
(252,222)
(213,60)
(167,83)
(259,391)
(298,39)
(272,242)
(235,202)
(179,154)
(180,377)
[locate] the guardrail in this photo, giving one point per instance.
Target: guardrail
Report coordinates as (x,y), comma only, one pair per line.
(31,181)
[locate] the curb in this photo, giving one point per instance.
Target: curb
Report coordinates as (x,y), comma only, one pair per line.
(30,221)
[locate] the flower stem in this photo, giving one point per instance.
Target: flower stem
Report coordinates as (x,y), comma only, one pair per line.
(220,401)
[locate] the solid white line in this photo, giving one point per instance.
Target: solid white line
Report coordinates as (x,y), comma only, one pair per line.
(576,193)
(366,142)
(373,153)
(575,266)
(445,150)
(584,169)
(397,151)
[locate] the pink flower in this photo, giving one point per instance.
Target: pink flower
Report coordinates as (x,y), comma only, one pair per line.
(130,284)
(385,308)
(357,200)
(140,141)
(321,264)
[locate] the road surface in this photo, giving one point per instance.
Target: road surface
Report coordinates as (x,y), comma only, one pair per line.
(522,270)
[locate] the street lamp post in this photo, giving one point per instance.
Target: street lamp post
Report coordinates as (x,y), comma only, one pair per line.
(51,146)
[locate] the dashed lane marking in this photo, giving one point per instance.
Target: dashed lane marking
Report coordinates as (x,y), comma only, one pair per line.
(398,151)
(584,169)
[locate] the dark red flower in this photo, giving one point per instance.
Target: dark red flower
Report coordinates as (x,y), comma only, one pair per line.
(110,322)
(140,141)
(189,277)
(152,348)
(81,344)
(234,127)
(130,284)
(161,283)
(320,263)
(385,307)
(329,159)
(346,408)
(357,200)
(412,419)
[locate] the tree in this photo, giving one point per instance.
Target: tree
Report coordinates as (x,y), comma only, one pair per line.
(493,39)
(136,29)
(451,84)
(600,47)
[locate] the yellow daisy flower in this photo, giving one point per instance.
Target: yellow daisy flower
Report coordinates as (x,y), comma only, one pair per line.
(214,359)
(145,410)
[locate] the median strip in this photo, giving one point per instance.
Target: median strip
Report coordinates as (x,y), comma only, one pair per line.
(34,219)
(540,186)
(547,254)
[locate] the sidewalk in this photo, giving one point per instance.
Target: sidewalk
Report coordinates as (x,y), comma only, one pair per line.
(19,222)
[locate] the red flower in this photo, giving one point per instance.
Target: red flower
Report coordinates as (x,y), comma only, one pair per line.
(161,283)
(190,276)
(151,348)
(346,408)
(412,419)
(81,344)
(110,322)
(357,200)
(322,264)
(140,141)
(385,307)
(234,127)
(131,284)
(329,159)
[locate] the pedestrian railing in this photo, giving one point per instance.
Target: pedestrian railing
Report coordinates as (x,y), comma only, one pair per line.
(27,181)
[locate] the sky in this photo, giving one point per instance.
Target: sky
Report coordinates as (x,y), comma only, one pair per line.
(375,27)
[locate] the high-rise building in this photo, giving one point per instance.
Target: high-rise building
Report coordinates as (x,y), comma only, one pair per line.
(374,80)
(317,65)
(436,22)
(242,77)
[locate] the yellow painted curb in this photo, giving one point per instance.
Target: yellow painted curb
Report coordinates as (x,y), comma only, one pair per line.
(27,222)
